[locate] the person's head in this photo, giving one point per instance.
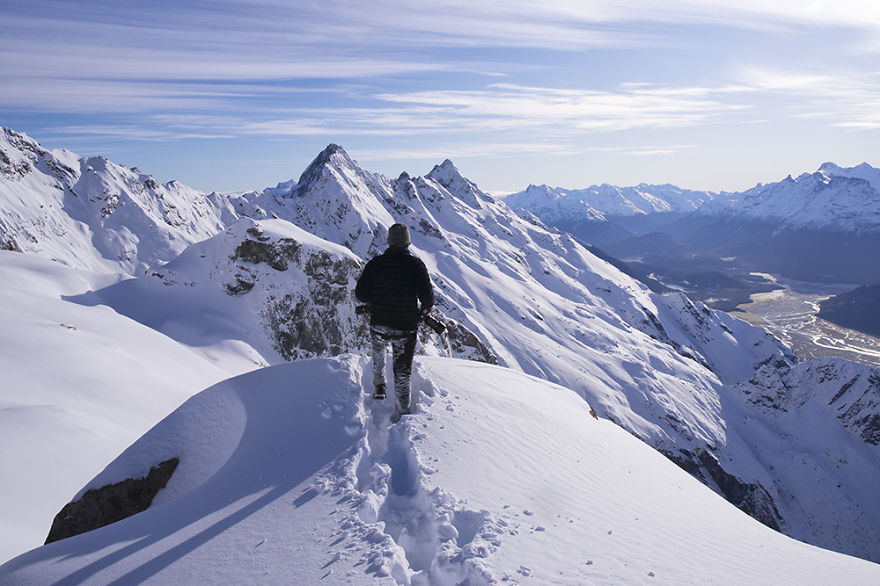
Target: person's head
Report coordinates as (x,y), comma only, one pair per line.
(398,235)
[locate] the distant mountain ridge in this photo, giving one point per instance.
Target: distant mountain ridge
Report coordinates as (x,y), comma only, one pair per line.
(833,197)
(601,203)
(677,374)
(822,226)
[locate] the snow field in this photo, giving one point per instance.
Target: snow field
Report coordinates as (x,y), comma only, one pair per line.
(496,477)
(77,385)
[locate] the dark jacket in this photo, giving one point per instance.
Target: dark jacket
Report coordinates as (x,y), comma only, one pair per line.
(393,283)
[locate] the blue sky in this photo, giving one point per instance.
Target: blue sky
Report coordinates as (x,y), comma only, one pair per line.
(241,95)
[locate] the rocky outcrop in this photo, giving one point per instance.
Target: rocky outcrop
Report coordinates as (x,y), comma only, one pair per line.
(307,322)
(463,343)
(111,503)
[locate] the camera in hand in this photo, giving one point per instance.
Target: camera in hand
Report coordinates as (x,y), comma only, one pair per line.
(435,324)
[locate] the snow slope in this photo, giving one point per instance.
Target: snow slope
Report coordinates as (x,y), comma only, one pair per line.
(497,477)
(78,384)
(660,366)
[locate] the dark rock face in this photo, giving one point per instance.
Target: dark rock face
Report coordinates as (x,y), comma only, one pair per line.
(463,343)
(275,255)
(308,322)
(111,503)
(862,412)
(7,241)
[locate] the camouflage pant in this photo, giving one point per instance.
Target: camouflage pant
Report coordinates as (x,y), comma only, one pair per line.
(403,347)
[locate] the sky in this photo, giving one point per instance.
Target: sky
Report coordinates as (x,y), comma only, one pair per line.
(239,95)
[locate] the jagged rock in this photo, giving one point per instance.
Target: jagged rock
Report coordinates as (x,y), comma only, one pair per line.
(111,503)
(306,322)
(465,344)
(275,255)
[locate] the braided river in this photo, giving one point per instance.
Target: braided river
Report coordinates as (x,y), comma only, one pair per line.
(790,313)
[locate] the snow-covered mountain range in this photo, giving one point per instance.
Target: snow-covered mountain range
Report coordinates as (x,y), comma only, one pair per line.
(598,202)
(832,198)
(91,213)
(260,278)
(821,226)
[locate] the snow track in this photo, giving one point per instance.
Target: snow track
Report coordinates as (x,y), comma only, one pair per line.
(439,539)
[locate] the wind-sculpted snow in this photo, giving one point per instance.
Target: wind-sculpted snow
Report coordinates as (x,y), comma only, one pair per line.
(497,478)
(79,383)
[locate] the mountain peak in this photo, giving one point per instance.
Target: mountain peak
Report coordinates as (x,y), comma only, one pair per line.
(445,173)
(332,156)
(331,151)
(457,184)
(829,167)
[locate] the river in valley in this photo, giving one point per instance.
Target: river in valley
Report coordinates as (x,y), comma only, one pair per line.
(790,314)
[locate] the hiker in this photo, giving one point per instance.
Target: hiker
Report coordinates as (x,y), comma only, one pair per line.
(392,284)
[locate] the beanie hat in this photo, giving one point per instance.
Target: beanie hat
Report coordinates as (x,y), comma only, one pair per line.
(398,235)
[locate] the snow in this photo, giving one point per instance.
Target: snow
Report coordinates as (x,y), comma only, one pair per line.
(833,198)
(497,477)
(555,204)
(671,372)
(79,384)
(88,212)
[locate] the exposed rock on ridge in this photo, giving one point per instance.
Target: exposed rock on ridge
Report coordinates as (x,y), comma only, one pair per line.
(111,503)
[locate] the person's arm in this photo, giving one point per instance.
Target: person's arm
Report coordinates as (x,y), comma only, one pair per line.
(364,288)
(424,290)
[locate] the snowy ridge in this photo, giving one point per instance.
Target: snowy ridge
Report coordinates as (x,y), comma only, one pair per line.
(541,303)
(94,214)
(424,502)
(555,204)
(80,383)
(832,198)
(294,290)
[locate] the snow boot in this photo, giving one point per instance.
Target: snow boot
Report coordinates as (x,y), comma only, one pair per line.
(379,391)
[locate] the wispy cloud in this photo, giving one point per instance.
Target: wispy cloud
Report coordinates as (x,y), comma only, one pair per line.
(505,106)
(657,75)
(844,99)
(270,40)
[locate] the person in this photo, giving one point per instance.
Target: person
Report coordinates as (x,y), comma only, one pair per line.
(393,284)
